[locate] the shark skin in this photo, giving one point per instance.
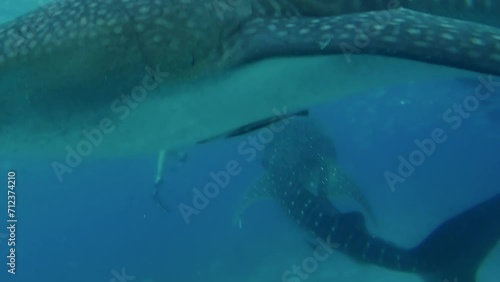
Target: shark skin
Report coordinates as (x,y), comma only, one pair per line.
(302,140)
(481,11)
(413,44)
(68,69)
(452,252)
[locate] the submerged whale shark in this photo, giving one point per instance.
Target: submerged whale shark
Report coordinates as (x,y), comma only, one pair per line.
(114,77)
(482,11)
(452,252)
(293,147)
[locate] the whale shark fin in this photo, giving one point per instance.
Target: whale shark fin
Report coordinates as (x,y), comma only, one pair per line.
(456,249)
(400,33)
(336,182)
(260,190)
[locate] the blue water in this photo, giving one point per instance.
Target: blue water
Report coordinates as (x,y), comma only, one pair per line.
(102,219)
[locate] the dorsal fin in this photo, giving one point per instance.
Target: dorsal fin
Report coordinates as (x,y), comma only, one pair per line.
(336,182)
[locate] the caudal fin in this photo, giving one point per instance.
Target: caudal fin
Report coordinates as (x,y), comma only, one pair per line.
(455,250)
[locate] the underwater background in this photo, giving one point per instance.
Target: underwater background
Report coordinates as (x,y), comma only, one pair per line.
(102,223)
(102,220)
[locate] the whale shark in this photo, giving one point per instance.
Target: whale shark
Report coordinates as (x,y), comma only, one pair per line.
(484,11)
(120,77)
(301,140)
(451,252)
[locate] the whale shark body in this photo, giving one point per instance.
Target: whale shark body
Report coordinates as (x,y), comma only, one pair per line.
(120,77)
(292,146)
(452,252)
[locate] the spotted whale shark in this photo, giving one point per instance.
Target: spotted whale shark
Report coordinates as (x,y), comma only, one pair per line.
(119,77)
(482,11)
(292,146)
(451,252)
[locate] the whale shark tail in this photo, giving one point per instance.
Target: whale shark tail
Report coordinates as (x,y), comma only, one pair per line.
(454,251)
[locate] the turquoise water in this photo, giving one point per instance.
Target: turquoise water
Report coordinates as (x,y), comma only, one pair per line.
(102,223)
(103,218)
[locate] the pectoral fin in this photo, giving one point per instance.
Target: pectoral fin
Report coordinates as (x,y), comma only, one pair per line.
(338,183)
(260,190)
